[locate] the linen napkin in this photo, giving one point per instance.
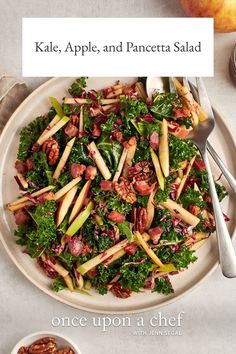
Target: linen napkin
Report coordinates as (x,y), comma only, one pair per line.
(12,92)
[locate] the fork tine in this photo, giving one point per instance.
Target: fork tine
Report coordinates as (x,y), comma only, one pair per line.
(203,97)
(172,85)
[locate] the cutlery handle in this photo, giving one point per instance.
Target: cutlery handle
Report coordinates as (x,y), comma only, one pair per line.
(226,250)
(230,178)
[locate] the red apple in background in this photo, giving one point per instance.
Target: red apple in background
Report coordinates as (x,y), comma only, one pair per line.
(223,11)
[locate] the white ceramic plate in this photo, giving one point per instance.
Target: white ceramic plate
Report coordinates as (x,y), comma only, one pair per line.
(36,104)
(61,341)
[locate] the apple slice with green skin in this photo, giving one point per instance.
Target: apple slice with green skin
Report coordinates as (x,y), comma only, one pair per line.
(80,200)
(84,268)
(147,249)
(53,122)
(167,268)
(66,188)
(158,170)
(164,149)
(63,121)
(80,220)
(65,204)
(130,155)
(63,159)
(56,105)
(98,159)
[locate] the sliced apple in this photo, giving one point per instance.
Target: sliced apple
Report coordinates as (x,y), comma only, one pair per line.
(139,87)
(120,165)
(179,212)
(80,200)
(65,204)
(98,159)
(96,111)
(164,149)
(66,188)
(184,179)
(80,220)
(58,108)
(78,101)
(19,205)
(56,266)
(84,268)
(157,166)
(115,93)
(63,121)
(53,122)
(34,194)
(69,282)
(147,249)
(150,209)
(130,155)
(63,159)
(105,101)
(81,121)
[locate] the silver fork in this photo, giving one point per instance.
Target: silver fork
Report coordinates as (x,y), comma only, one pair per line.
(230,178)
(199,136)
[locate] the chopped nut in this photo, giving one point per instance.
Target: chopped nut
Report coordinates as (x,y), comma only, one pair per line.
(51,149)
(126,190)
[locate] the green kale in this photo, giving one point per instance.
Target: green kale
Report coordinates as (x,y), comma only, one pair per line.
(162,217)
(172,237)
(104,276)
(29,135)
(192,197)
(44,232)
(67,259)
(108,125)
(110,151)
(133,108)
(111,201)
(142,200)
(183,257)
(162,195)
(203,184)
(135,275)
(58,284)
(97,239)
(180,150)
(163,285)
(77,88)
(79,154)
(64,178)
(142,152)
(163,105)
(101,289)
(41,175)
(146,128)
(221,191)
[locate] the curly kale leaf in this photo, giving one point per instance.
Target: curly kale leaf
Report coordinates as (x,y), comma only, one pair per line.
(172,237)
(133,108)
(180,150)
(181,258)
(41,175)
(142,152)
(29,135)
(111,201)
(135,275)
(59,284)
(162,195)
(163,105)
(77,88)
(99,241)
(44,232)
(146,128)
(125,230)
(221,191)
(163,285)
(192,197)
(79,154)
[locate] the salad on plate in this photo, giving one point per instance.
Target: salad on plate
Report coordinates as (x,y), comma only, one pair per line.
(113,195)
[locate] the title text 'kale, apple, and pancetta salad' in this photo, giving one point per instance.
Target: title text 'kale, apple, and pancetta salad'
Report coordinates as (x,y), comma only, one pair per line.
(112,193)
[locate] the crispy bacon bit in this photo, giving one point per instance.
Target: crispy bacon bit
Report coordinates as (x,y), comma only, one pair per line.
(131,248)
(141,171)
(126,190)
(92,272)
(181,112)
(71,130)
(30,165)
(118,136)
(194,209)
(143,187)
(90,172)
(51,149)
(106,185)
(77,170)
(36,147)
(21,217)
(116,216)
(20,166)
(47,269)
(96,131)
(155,234)
(148,118)
(199,165)
(154,140)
